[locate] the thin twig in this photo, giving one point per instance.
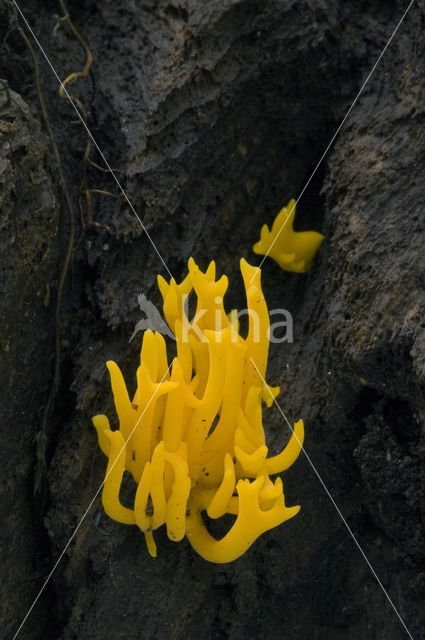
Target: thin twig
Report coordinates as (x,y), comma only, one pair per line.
(89,60)
(41,441)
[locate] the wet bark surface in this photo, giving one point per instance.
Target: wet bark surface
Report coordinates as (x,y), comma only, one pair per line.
(214,114)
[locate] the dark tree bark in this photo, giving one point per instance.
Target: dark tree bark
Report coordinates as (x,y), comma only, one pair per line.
(214,115)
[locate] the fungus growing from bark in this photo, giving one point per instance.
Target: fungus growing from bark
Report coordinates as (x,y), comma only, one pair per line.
(292,250)
(193,438)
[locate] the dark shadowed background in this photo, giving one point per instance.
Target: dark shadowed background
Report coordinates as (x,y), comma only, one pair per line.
(214,114)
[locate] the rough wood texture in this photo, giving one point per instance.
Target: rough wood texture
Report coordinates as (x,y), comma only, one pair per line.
(216,113)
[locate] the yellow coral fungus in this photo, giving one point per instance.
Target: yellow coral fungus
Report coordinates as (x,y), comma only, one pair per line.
(292,250)
(193,438)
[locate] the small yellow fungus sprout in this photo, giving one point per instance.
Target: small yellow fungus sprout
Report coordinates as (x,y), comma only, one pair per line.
(292,250)
(193,438)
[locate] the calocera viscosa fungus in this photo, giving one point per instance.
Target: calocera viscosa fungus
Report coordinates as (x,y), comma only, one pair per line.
(292,250)
(192,438)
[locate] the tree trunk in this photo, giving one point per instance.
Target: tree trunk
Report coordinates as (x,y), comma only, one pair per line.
(212,116)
